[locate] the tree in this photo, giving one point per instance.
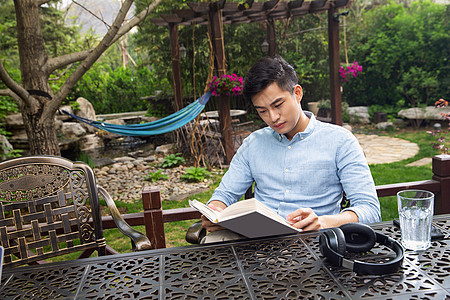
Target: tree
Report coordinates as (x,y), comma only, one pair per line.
(38,102)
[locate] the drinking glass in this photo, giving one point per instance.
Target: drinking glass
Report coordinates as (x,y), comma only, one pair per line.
(415,210)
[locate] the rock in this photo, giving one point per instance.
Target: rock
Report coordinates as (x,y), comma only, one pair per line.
(14,121)
(6,147)
(359,114)
(123,159)
(62,116)
(347,126)
(164,149)
(385,126)
(72,129)
(419,113)
(90,142)
(86,111)
(150,158)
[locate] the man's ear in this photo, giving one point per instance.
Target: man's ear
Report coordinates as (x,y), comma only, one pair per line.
(298,92)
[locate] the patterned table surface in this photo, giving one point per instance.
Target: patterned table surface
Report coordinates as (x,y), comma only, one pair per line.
(289,267)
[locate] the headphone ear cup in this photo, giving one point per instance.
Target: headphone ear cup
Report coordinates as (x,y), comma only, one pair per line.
(337,240)
(358,237)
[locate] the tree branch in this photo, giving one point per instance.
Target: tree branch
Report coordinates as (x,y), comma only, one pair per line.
(64,60)
(8,92)
(92,57)
(136,20)
(15,87)
(40,2)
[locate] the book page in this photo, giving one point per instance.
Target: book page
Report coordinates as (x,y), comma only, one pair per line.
(209,213)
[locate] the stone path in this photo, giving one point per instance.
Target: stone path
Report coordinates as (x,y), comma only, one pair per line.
(384,149)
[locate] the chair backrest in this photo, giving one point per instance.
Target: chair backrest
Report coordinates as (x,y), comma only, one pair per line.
(48,207)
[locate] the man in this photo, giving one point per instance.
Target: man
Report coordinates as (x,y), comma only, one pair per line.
(300,166)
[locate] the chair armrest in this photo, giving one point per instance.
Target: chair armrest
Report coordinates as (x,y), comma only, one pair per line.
(138,240)
(195,233)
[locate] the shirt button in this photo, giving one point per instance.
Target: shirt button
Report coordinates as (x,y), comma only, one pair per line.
(301,138)
(286,170)
(287,191)
(289,147)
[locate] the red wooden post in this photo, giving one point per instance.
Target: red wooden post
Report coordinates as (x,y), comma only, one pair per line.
(153,217)
(176,70)
(441,173)
(271,37)
(333,49)
(215,23)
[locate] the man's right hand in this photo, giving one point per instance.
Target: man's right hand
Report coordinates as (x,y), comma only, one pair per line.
(207,224)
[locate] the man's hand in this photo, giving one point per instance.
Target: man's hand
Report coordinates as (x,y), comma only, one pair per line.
(207,224)
(306,219)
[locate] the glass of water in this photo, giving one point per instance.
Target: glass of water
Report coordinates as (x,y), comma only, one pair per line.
(415,210)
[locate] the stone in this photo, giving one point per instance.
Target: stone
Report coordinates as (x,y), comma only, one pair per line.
(90,142)
(72,129)
(62,116)
(164,149)
(86,111)
(6,147)
(421,113)
(421,162)
(359,114)
(14,121)
(347,126)
(123,159)
(150,158)
(385,126)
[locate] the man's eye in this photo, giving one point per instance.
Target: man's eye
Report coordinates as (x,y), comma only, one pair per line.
(278,105)
(261,111)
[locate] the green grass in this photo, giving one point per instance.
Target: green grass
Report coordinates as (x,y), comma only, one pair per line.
(382,174)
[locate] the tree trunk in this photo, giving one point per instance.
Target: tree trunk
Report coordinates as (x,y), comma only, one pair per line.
(41,133)
(37,116)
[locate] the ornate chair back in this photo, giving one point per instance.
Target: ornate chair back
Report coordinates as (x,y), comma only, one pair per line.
(48,207)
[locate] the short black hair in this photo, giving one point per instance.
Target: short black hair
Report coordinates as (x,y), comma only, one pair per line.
(267,71)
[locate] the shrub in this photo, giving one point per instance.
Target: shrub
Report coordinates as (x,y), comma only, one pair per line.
(172,160)
(195,174)
(155,176)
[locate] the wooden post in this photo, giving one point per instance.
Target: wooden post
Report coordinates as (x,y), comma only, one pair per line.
(441,173)
(271,37)
(176,70)
(153,217)
(215,23)
(333,48)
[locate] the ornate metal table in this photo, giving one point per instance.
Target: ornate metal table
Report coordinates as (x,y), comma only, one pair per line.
(289,267)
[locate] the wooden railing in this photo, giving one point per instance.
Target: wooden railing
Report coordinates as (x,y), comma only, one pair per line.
(154,216)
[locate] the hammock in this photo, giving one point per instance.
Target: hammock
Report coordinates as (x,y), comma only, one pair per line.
(166,124)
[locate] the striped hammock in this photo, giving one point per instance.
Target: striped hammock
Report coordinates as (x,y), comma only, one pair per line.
(164,125)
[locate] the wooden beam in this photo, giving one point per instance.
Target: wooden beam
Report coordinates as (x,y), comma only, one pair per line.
(334,61)
(215,19)
(176,69)
(271,37)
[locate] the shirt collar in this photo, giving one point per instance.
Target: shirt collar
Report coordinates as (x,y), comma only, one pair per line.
(300,135)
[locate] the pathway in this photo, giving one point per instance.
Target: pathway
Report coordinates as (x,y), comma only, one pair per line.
(384,149)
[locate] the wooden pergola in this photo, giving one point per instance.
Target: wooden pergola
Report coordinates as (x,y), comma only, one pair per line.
(215,14)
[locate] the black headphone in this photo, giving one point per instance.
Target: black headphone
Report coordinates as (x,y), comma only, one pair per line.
(358,238)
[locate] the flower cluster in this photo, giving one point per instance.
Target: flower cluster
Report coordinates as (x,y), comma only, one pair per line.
(226,85)
(443,136)
(353,69)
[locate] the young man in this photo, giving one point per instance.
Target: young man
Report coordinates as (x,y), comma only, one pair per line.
(300,166)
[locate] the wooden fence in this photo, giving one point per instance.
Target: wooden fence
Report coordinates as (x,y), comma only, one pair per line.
(154,216)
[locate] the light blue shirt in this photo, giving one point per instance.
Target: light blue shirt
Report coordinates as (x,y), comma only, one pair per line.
(312,170)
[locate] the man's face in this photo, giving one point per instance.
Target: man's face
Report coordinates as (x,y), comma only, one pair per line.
(280,109)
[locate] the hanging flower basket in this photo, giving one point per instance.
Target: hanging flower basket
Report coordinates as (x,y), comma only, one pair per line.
(349,71)
(226,85)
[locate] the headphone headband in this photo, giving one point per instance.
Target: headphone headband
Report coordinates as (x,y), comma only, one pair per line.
(360,238)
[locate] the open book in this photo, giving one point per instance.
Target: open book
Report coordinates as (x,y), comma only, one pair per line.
(248,217)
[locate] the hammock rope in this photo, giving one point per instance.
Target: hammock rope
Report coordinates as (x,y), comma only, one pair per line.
(164,125)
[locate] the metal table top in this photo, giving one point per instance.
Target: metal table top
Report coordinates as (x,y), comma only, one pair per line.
(289,267)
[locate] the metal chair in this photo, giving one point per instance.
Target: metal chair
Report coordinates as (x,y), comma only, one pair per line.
(49,206)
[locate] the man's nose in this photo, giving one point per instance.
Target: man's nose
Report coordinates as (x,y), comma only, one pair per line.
(274,116)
